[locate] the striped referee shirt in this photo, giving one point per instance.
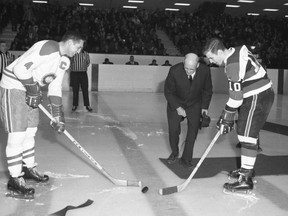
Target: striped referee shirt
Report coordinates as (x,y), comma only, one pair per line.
(80,62)
(5,59)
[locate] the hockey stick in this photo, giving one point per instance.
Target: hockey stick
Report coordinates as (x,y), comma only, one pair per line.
(181,187)
(119,182)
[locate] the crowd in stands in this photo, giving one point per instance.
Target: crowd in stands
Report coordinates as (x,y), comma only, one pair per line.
(133,32)
(4,16)
(267,37)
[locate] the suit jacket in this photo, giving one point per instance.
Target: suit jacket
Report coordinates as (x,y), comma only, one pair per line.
(178,91)
(129,63)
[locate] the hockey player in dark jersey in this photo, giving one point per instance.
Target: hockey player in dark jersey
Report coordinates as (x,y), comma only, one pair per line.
(251,95)
(45,63)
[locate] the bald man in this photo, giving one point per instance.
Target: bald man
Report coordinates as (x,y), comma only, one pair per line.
(188,91)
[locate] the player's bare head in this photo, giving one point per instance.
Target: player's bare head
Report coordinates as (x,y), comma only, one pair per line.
(215,51)
(72,42)
(72,35)
(213,45)
(191,63)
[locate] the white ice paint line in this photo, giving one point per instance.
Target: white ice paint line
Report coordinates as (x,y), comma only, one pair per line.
(75,119)
(54,187)
(39,204)
(157,133)
(112,189)
(87,126)
(106,118)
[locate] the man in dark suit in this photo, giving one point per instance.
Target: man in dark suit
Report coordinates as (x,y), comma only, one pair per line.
(107,61)
(188,91)
(131,61)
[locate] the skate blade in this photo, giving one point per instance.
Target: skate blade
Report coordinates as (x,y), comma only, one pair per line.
(18,196)
(243,193)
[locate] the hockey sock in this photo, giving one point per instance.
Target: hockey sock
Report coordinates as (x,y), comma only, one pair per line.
(14,152)
(248,158)
(29,147)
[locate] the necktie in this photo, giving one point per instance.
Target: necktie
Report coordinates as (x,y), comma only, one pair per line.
(190,79)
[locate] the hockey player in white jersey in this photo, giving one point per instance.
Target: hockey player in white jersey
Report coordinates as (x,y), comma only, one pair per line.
(45,63)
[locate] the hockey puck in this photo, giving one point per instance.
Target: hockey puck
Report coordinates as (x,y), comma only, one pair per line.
(144,189)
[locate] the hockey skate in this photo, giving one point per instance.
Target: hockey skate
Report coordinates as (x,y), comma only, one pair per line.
(19,190)
(33,175)
(243,185)
(234,174)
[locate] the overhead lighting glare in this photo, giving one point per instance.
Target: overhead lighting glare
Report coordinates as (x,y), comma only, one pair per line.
(269,9)
(233,6)
(136,1)
(86,4)
(286,16)
(253,14)
(171,9)
(40,2)
(246,1)
(182,4)
(130,7)
(286,4)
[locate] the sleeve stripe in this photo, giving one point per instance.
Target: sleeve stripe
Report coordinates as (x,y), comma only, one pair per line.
(234,103)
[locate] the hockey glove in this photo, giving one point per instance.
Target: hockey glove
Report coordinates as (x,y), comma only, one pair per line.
(226,121)
(58,123)
(33,95)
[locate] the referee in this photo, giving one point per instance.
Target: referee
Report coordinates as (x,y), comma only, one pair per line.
(6,57)
(79,64)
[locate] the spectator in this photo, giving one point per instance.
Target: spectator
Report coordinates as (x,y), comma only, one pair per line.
(131,61)
(107,61)
(153,63)
(167,63)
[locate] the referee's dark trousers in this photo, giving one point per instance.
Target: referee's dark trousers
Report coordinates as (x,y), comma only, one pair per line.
(80,78)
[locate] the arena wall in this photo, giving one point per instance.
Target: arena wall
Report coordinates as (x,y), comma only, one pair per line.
(145,78)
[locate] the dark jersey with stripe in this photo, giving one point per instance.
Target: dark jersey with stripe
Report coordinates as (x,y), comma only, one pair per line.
(246,76)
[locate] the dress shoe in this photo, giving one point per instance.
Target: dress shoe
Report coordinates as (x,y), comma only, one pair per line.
(74,108)
(172,159)
(186,163)
(89,109)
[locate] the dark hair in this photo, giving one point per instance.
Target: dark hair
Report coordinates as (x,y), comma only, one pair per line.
(72,35)
(213,45)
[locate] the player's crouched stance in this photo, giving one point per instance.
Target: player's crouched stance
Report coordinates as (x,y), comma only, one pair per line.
(22,166)
(44,64)
(251,95)
(20,158)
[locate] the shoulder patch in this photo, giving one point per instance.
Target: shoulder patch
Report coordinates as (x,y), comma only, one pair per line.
(49,47)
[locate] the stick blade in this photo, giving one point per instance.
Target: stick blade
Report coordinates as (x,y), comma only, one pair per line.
(132,183)
(168,190)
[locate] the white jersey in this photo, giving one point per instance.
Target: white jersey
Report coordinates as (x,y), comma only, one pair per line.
(43,62)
